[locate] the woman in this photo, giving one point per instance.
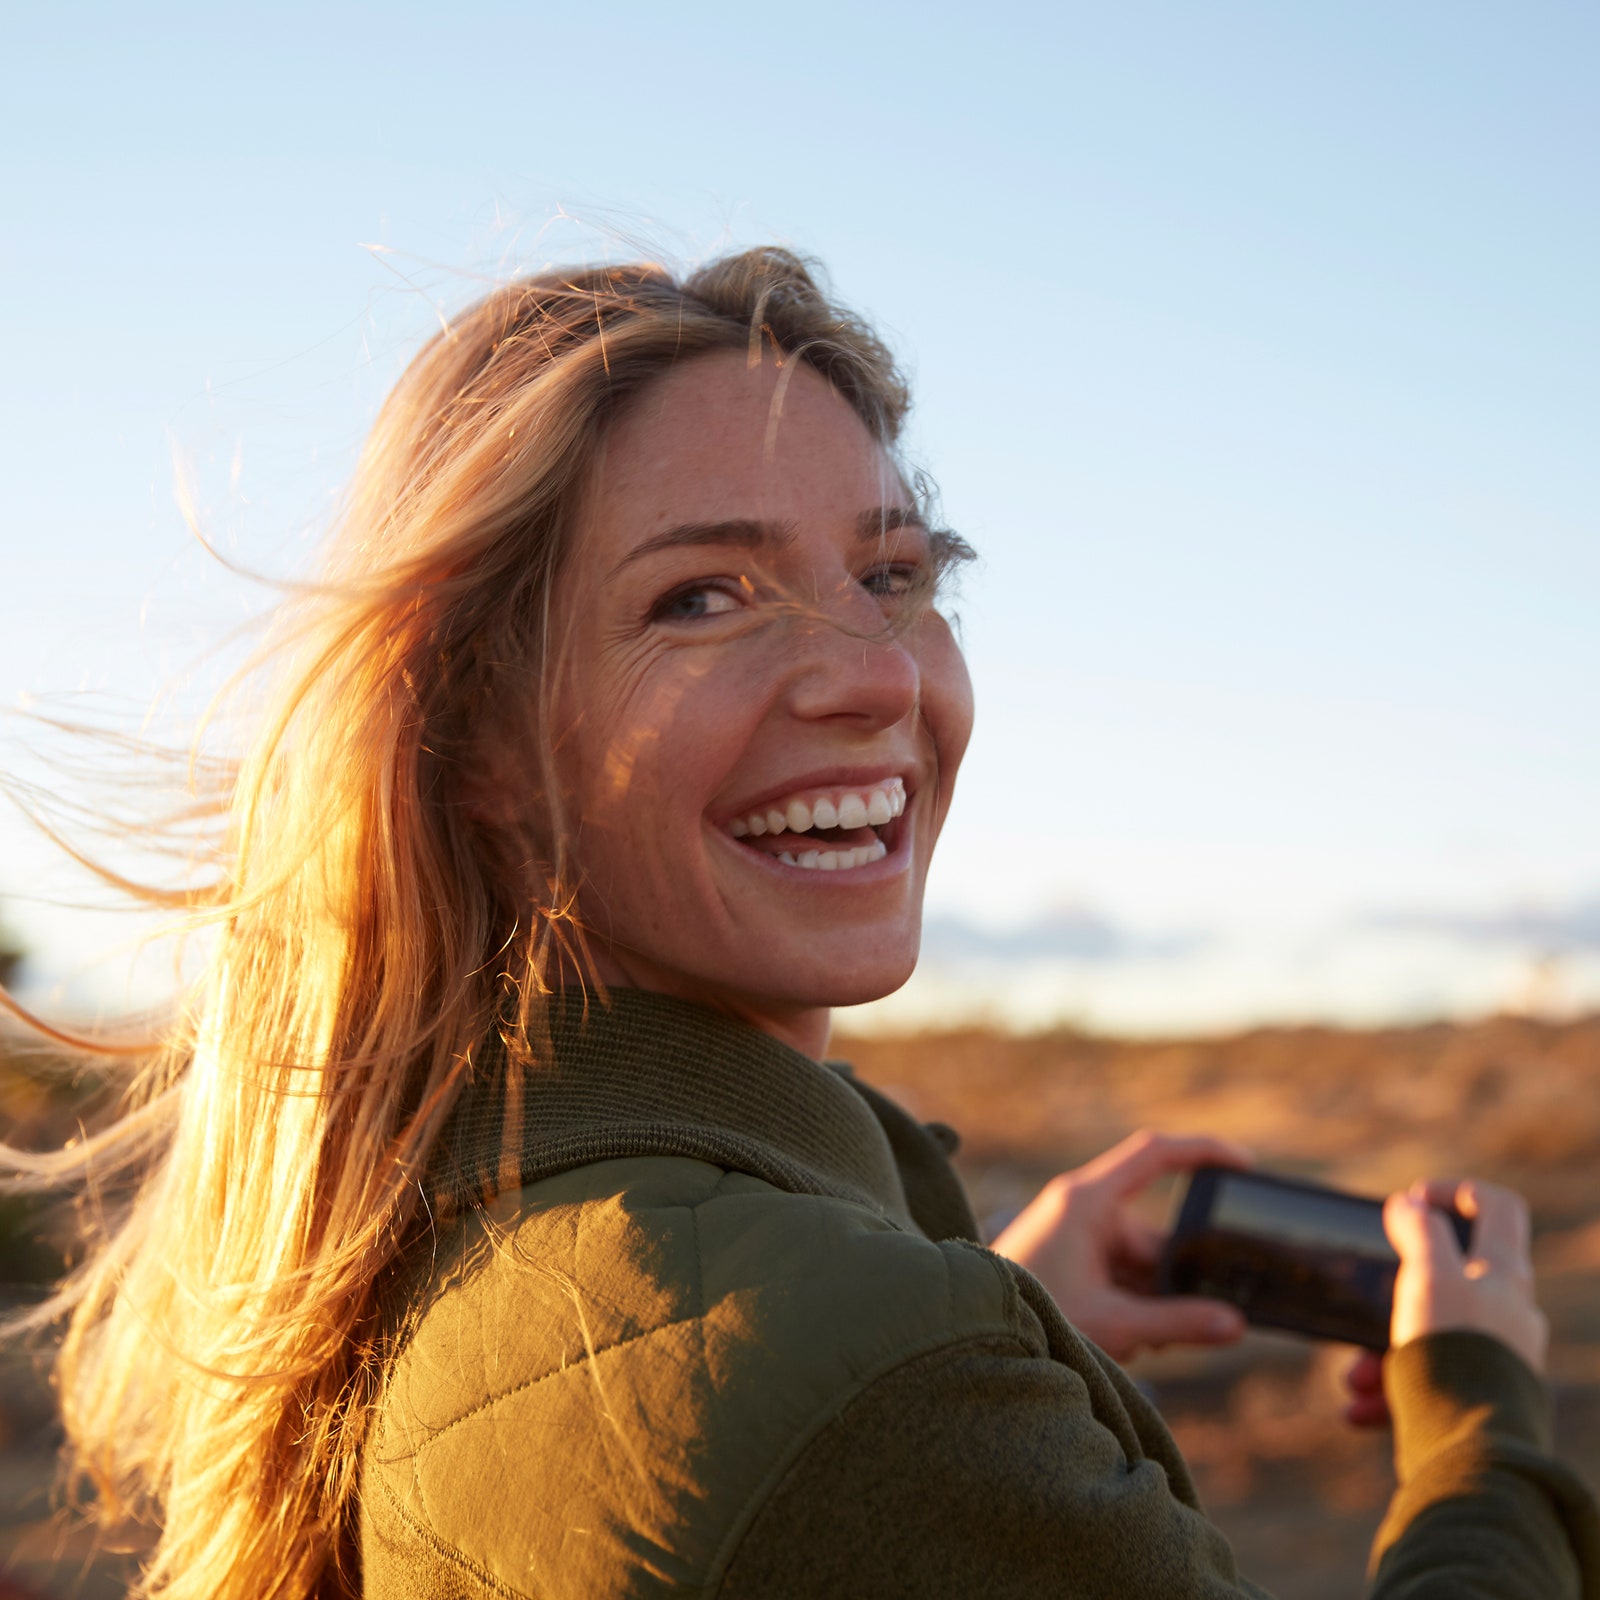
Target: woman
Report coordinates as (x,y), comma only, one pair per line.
(503,1231)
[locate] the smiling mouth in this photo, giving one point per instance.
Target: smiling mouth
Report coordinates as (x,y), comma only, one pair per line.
(827,830)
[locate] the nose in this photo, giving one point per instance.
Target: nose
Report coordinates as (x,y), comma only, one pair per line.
(847,665)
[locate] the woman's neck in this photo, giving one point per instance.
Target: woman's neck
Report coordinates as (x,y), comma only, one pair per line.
(802,1028)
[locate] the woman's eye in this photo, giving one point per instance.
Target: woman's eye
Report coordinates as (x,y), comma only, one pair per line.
(695,601)
(891,582)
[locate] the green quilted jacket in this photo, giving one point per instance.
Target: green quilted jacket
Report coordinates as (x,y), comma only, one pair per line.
(711,1319)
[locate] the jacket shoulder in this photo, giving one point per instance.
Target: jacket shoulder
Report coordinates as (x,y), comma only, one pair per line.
(607,1371)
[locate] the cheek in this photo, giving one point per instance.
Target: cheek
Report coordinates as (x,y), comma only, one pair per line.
(655,751)
(947,706)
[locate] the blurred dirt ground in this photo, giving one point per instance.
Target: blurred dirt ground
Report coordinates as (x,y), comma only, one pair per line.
(1297,1491)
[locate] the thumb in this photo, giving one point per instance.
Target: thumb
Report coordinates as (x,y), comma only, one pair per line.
(1417,1230)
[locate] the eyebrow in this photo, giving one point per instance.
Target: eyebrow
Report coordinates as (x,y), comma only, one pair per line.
(742,532)
(886,519)
(748,534)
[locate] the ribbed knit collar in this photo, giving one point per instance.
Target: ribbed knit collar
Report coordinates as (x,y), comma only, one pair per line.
(638,1074)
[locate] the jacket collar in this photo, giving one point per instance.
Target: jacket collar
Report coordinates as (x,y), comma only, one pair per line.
(635,1073)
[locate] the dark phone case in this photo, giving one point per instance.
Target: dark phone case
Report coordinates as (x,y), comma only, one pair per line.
(1324,1292)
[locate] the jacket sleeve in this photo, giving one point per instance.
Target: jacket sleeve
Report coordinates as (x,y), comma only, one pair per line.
(1482,1510)
(998,1468)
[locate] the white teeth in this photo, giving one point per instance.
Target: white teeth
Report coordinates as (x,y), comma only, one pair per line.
(857,810)
(836,860)
(852,811)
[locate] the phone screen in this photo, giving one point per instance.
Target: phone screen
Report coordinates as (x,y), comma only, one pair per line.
(1289,1254)
(1296,1216)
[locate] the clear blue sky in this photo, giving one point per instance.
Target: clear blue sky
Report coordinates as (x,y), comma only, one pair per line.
(1256,348)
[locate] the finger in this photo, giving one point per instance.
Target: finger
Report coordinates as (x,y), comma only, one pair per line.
(1441,1192)
(1143,1157)
(1502,1232)
(1134,1257)
(1139,1241)
(1418,1230)
(1368,1411)
(1365,1376)
(1177,1320)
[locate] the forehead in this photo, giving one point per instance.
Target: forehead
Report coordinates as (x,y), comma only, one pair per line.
(716,439)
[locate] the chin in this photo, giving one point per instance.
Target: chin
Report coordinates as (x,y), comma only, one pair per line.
(836,985)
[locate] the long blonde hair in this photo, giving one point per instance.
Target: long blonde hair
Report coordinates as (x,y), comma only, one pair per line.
(375,923)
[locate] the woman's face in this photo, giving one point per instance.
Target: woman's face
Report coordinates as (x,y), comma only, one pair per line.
(761,720)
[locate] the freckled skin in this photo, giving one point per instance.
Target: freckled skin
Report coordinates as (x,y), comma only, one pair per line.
(704,678)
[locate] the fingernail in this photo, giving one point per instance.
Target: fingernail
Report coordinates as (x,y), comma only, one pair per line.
(1223,1323)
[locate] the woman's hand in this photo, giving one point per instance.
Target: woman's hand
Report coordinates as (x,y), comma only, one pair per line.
(1438,1288)
(1098,1260)
(1490,1291)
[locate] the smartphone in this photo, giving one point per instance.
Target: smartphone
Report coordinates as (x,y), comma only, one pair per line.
(1292,1255)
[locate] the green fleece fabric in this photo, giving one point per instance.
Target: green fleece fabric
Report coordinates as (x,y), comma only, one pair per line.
(708,1318)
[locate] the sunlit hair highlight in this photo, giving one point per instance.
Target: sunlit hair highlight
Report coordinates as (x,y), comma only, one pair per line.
(379,927)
